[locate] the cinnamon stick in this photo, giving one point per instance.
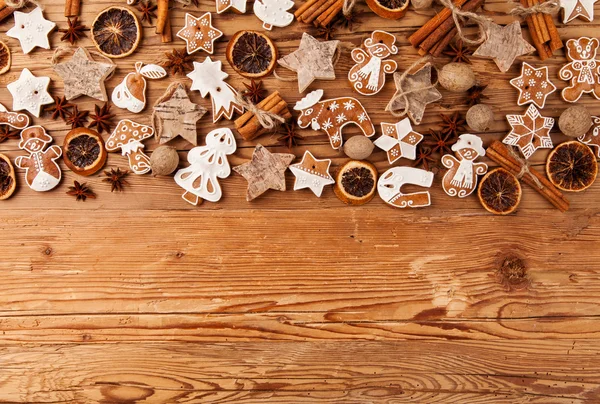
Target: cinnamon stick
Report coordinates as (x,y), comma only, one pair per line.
(246,116)
(167,35)
(248,125)
(162,14)
(438,49)
(5,11)
(304,7)
(422,33)
(535,34)
(315,11)
(72,8)
(555,41)
(328,16)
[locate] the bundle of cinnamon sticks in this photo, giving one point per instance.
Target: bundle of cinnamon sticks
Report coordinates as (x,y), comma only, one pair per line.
(319,12)
(248,125)
(499,153)
(437,33)
(544,34)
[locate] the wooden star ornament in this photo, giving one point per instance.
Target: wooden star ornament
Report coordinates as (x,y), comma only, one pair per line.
(83,75)
(265,171)
(503,44)
(312,61)
(199,34)
(312,173)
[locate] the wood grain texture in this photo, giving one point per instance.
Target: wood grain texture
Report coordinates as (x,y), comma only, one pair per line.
(139,297)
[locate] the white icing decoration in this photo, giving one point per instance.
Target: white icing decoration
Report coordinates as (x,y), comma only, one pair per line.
(399,140)
(273,13)
(122,95)
(308,176)
(31,29)
(389,187)
(30,93)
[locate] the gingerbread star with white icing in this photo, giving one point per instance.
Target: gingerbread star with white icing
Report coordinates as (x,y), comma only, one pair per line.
(235,5)
(312,173)
(503,44)
(530,131)
(31,29)
(533,85)
(198,33)
(30,93)
(584,9)
(399,140)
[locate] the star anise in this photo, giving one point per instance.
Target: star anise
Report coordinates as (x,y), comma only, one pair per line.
(327,32)
(441,143)
(459,52)
(77,119)
(475,95)
(347,21)
(178,61)
(423,157)
(452,124)
(81,192)
(289,136)
(116,179)
(147,9)
(6,133)
(101,118)
(60,109)
(254,91)
(74,32)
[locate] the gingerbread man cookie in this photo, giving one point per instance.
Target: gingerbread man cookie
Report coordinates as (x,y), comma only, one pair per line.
(367,76)
(389,187)
(42,173)
(582,69)
(461,178)
(331,116)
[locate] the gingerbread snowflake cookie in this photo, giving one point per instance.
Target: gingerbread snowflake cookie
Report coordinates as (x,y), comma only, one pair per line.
(42,172)
(30,93)
(199,34)
(529,132)
(367,76)
(582,69)
(461,178)
(533,85)
(31,29)
(399,140)
(312,173)
(331,116)
(389,187)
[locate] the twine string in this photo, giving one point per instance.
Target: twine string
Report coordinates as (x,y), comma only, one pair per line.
(550,7)
(348,7)
(403,94)
(525,168)
(459,16)
(17,4)
(267,120)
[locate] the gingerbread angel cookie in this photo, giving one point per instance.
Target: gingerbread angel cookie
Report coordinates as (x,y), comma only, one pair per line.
(461,178)
(367,76)
(331,116)
(42,173)
(582,69)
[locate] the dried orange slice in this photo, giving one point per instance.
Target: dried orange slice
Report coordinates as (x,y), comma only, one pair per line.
(251,54)
(355,182)
(499,192)
(390,9)
(5,58)
(116,32)
(8,180)
(84,151)
(572,166)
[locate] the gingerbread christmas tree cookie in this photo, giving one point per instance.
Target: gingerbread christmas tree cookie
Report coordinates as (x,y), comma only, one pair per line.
(399,140)
(42,173)
(582,69)
(199,34)
(31,29)
(30,93)
(312,173)
(389,187)
(503,44)
(533,85)
(82,75)
(529,132)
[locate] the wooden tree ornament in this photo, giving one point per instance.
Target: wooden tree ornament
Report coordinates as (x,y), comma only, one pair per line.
(254,123)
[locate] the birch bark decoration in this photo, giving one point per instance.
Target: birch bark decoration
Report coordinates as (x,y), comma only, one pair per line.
(367,77)
(208,78)
(251,124)
(312,61)
(504,44)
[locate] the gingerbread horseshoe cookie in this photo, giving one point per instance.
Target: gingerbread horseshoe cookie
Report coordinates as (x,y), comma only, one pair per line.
(331,116)
(582,69)
(367,76)
(42,173)
(389,187)
(461,178)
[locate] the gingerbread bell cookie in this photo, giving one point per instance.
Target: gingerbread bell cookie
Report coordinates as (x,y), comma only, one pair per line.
(331,116)
(131,93)
(367,76)
(529,132)
(389,187)
(399,140)
(42,173)
(582,69)
(461,178)
(312,173)
(533,85)
(127,137)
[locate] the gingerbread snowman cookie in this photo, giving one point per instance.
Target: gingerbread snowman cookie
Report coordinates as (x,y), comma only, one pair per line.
(42,173)
(461,178)
(582,69)
(367,76)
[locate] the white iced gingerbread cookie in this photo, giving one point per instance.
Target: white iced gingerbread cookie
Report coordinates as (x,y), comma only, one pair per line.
(128,137)
(42,173)
(131,93)
(367,76)
(273,13)
(30,93)
(13,119)
(389,187)
(31,29)
(399,140)
(235,5)
(461,178)
(312,173)
(199,34)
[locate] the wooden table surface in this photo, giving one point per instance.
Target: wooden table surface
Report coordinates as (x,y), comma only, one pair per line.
(139,297)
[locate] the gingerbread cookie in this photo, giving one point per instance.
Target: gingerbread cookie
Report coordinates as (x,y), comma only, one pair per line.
(533,85)
(582,69)
(399,140)
(128,137)
(209,78)
(389,187)
(207,164)
(367,76)
(31,29)
(592,137)
(131,93)
(239,6)
(584,9)
(42,173)
(530,131)
(13,119)
(30,93)
(331,116)
(312,173)
(199,34)
(461,178)
(273,13)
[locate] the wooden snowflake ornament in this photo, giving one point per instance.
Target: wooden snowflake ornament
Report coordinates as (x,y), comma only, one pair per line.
(31,29)
(529,132)
(583,9)
(199,34)
(331,116)
(533,85)
(399,140)
(389,187)
(208,78)
(312,173)
(582,69)
(30,93)
(503,44)
(273,13)
(461,178)
(367,76)
(239,6)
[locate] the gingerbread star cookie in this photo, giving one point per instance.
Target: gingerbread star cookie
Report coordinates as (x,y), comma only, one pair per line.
(399,140)
(529,132)
(30,93)
(312,173)
(265,171)
(584,9)
(31,29)
(239,6)
(533,85)
(503,44)
(83,75)
(175,115)
(312,61)
(198,33)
